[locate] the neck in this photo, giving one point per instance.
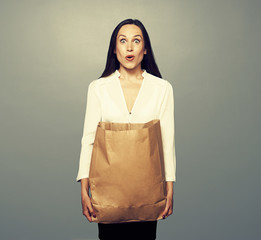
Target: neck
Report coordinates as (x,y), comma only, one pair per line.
(129,74)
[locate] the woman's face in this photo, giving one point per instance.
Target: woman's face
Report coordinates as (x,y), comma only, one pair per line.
(130,42)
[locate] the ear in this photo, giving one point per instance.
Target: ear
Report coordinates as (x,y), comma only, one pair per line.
(145,51)
(114,51)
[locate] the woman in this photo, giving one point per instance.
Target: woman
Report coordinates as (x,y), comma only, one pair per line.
(130,89)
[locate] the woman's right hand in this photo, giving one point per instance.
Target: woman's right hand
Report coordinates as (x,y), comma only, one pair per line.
(87,209)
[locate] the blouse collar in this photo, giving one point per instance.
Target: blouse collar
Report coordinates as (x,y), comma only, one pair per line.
(117,73)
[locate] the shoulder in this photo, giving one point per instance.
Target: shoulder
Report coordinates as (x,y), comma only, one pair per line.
(159,82)
(95,86)
(96,83)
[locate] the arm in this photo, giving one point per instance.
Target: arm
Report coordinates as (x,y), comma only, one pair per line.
(168,141)
(92,117)
(168,133)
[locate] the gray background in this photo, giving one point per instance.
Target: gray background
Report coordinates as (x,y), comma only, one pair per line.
(209,50)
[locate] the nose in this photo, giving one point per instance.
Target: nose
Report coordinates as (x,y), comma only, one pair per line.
(129,46)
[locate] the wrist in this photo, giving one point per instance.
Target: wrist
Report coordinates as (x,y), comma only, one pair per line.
(84,192)
(85,185)
(169,194)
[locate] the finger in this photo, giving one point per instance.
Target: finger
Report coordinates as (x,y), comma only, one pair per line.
(165,212)
(169,207)
(85,210)
(170,211)
(89,206)
(87,214)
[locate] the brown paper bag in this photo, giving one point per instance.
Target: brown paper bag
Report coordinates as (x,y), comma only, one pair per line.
(127,177)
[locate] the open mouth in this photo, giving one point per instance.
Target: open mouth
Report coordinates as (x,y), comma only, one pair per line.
(130,57)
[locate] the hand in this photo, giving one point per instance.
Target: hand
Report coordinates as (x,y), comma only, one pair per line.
(87,209)
(169,206)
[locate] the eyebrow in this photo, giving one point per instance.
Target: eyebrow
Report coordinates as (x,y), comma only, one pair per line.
(133,36)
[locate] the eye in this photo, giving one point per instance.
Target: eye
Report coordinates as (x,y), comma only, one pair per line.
(137,40)
(122,39)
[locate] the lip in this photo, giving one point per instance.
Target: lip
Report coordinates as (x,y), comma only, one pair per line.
(129,57)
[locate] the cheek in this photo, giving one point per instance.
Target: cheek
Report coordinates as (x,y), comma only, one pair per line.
(120,50)
(141,52)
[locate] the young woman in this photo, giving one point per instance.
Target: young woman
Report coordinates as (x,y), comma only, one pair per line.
(132,90)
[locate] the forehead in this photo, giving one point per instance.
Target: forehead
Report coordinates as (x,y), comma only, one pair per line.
(130,30)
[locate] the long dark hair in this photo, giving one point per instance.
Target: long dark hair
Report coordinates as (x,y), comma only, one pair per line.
(148,62)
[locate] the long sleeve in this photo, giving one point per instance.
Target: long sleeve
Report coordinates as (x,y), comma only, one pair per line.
(168,133)
(92,117)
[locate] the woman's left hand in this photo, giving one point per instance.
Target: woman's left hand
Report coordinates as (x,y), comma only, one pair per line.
(169,203)
(169,207)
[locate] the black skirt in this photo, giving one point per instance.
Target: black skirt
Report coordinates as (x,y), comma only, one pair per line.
(128,230)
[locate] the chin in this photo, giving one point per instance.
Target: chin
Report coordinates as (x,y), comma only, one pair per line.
(130,66)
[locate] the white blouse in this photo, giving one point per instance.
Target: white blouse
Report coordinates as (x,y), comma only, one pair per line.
(106,102)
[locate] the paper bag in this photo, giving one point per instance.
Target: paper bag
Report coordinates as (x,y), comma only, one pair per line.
(127,177)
